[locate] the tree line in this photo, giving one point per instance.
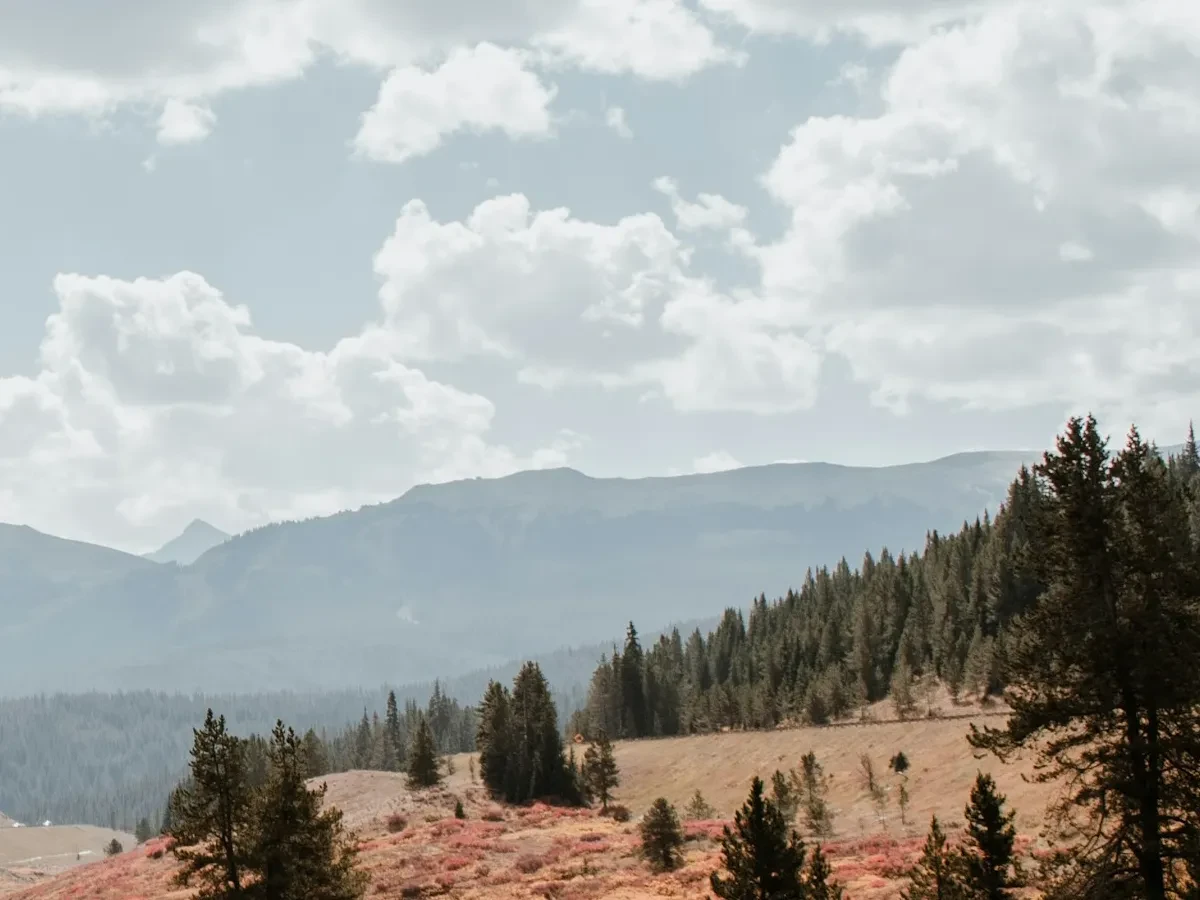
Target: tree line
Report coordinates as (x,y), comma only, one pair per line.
(895,626)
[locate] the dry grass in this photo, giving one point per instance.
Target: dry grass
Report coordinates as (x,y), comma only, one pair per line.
(539,852)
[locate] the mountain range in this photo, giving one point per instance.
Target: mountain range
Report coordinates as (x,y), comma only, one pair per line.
(456,577)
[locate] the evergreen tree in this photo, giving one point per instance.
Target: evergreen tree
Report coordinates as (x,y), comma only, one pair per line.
(423,768)
(300,851)
(633,695)
(535,765)
(144,831)
(699,809)
(395,737)
(938,873)
(212,814)
(764,859)
(1104,669)
(363,743)
(784,795)
(814,789)
(600,772)
(988,853)
(113,848)
(316,761)
(662,837)
(494,738)
(816,878)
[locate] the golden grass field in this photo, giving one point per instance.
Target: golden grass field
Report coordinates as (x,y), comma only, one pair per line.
(540,852)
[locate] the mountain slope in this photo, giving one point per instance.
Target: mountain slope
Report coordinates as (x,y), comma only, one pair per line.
(192,543)
(460,576)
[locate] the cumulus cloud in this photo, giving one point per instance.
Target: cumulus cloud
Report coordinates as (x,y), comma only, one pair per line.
(184,123)
(567,301)
(188,53)
(1018,223)
(709,211)
(156,398)
(481,89)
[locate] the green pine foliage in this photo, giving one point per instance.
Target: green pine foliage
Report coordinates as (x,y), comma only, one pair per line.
(988,849)
(298,851)
(938,873)
(762,856)
(144,830)
(423,767)
(600,773)
(662,837)
(211,818)
(521,751)
(698,809)
(817,878)
(240,841)
(1103,671)
(843,639)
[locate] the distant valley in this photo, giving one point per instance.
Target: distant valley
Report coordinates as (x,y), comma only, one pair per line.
(456,577)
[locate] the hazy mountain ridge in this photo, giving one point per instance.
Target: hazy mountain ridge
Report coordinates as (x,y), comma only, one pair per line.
(456,577)
(190,544)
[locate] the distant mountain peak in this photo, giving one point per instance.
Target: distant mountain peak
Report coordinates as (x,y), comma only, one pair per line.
(193,542)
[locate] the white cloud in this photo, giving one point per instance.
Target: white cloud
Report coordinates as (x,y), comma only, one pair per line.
(172,50)
(481,89)
(926,244)
(566,301)
(615,118)
(717,461)
(877,21)
(710,211)
(184,123)
(655,39)
(157,399)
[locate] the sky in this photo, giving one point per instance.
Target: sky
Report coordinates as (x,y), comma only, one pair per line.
(270,259)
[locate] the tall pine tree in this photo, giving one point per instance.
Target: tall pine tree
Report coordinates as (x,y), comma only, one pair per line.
(300,851)
(211,815)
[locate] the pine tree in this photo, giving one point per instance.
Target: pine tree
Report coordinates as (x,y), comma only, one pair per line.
(363,743)
(391,725)
(903,701)
(662,837)
(493,738)
(537,761)
(600,772)
(699,809)
(785,795)
(113,848)
(937,874)
(144,831)
(423,768)
(316,761)
(814,789)
(1103,671)
(212,814)
(633,694)
(300,851)
(764,859)
(988,853)
(1190,457)
(816,878)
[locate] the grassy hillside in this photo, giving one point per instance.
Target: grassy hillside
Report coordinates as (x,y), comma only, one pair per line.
(576,855)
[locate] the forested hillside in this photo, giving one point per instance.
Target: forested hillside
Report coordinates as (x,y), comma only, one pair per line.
(848,637)
(451,578)
(91,757)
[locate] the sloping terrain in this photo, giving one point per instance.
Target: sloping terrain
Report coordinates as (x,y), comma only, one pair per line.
(188,546)
(462,576)
(540,852)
